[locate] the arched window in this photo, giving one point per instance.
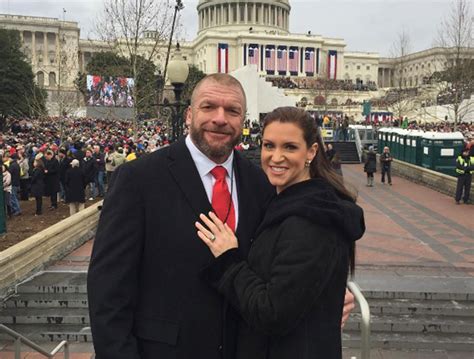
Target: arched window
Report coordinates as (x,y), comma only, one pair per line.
(40,79)
(52,79)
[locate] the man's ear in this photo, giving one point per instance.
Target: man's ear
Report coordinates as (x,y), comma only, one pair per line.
(189,116)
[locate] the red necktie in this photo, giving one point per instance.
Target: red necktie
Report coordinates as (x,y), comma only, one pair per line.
(221,198)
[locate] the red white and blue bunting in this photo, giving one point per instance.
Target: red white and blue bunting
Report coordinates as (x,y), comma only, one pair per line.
(332,64)
(223,58)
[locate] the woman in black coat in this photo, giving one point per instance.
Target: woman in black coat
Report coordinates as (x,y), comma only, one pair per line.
(51,180)
(75,184)
(37,185)
(290,290)
(370,166)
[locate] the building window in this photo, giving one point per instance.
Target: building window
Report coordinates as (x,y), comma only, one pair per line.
(358,67)
(347,66)
(52,79)
(367,68)
(40,78)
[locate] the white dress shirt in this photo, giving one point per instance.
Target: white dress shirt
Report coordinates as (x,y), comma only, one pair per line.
(204,166)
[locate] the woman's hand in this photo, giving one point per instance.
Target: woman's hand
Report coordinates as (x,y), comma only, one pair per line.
(218,236)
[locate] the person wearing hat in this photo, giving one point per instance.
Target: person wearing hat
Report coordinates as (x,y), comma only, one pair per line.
(464,171)
(370,166)
(75,184)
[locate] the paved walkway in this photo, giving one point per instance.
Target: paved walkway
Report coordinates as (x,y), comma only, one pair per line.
(414,236)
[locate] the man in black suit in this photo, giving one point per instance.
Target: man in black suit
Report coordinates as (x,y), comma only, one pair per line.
(146,298)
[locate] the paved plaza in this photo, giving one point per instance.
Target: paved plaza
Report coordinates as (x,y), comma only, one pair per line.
(416,239)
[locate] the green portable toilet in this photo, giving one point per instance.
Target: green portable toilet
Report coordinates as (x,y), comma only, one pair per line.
(388,139)
(400,144)
(440,151)
(404,138)
(413,148)
(395,143)
(382,133)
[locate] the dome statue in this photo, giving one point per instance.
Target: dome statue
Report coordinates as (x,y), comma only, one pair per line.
(270,16)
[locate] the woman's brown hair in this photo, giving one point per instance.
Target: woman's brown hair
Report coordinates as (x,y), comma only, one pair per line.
(320,166)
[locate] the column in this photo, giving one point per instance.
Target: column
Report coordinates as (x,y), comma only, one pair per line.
(229,14)
(33,49)
(237,9)
(45,50)
(246,9)
(222,15)
(275,15)
(254,13)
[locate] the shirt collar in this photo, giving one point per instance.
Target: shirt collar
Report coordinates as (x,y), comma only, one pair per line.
(203,164)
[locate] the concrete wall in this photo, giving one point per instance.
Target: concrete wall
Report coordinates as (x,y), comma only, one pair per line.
(438,181)
(38,251)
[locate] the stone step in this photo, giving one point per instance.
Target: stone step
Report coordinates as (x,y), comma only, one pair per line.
(421,295)
(47,300)
(406,341)
(419,324)
(50,333)
(55,282)
(420,307)
(41,316)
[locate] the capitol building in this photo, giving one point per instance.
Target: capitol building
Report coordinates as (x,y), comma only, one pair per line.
(232,34)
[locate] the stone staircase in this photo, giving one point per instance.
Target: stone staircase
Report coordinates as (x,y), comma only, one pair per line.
(53,306)
(347,151)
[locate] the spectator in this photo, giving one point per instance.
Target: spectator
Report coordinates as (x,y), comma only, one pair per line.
(23,161)
(90,172)
(37,185)
(386,164)
(51,179)
(370,166)
(75,188)
(14,170)
(7,189)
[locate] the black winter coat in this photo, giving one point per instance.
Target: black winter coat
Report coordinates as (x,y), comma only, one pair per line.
(51,179)
(89,168)
(371,163)
(291,290)
(64,166)
(14,170)
(37,182)
(75,183)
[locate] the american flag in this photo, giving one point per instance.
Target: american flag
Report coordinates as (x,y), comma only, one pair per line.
(294,57)
(309,61)
(281,59)
(253,55)
(270,59)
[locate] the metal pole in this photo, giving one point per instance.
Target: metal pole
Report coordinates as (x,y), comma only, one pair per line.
(365,319)
(178,89)
(17,348)
(179,6)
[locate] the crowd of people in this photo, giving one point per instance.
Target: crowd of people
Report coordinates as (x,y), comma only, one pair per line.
(321,84)
(69,160)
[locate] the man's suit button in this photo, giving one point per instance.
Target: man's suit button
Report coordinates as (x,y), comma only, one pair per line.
(220,348)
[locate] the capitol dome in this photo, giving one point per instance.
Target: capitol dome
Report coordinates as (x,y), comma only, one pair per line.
(244,15)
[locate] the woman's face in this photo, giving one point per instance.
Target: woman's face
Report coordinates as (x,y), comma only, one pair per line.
(284,153)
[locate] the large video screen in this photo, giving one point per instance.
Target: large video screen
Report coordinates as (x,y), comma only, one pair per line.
(109,91)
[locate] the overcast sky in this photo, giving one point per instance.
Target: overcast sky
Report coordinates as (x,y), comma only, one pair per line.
(365,25)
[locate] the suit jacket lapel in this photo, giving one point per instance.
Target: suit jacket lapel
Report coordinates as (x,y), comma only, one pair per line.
(186,175)
(243,190)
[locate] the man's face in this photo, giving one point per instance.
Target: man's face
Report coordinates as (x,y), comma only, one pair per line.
(215,119)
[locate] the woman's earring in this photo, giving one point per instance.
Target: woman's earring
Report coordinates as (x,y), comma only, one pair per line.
(307,163)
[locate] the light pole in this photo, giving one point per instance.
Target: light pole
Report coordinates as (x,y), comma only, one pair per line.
(178,71)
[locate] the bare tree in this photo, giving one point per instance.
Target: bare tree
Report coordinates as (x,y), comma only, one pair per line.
(457,76)
(137,29)
(403,101)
